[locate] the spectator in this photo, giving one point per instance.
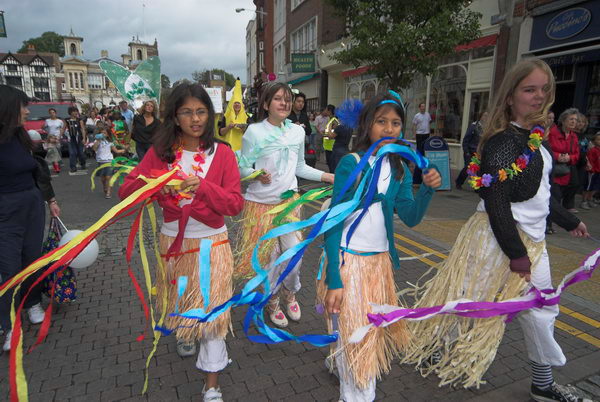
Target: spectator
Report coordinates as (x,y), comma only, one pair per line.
(53,125)
(565,148)
(24,187)
(321,124)
(77,136)
(145,124)
(593,172)
(126,113)
(469,146)
(298,114)
(342,135)
(329,137)
(421,123)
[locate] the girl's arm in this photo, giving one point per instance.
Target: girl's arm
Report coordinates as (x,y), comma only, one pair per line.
(96,145)
(333,237)
(410,209)
(225,199)
(132,183)
(117,151)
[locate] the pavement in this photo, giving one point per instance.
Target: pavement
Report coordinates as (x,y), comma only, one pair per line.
(91,352)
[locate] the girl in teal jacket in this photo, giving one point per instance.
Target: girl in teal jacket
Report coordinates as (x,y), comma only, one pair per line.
(363,274)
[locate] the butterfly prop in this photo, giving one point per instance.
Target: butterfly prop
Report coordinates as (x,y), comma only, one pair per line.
(138,86)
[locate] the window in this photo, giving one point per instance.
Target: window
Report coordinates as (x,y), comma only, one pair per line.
(14,81)
(304,39)
(12,67)
(95,81)
(261,45)
(563,73)
(40,82)
(39,69)
(261,61)
(279,13)
(296,3)
(139,54)
(73,50)
(42,96)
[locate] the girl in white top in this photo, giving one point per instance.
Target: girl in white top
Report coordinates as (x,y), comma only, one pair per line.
(275,147)
(104,148)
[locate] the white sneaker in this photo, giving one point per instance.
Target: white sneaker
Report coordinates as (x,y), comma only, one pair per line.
(212,394)
(36,314)
(292,308)
(6,346)
(275,313)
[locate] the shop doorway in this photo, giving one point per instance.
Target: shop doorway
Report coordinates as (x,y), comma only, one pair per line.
(565,95)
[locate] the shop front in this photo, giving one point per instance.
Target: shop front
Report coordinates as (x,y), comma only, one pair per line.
(568,39)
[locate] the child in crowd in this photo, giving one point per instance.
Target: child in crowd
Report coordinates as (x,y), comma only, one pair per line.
(364,274)
(274,146)
(593,173)
(105,148)
(53,156)
(194,214)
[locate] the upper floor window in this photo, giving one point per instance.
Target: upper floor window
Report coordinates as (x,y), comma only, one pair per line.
(139,54)
(296,3)
(73,50)
(304,39)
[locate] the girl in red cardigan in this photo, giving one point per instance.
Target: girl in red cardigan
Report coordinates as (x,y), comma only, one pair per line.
(593,173)
(194,222)
(565,148)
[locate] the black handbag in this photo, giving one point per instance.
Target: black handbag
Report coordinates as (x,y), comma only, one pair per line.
(561,168)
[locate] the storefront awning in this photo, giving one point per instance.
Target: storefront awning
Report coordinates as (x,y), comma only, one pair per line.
(484,41)
(303,78)
(355,72)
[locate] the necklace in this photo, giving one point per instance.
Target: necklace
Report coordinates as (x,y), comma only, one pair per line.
(199,158)
(486,180)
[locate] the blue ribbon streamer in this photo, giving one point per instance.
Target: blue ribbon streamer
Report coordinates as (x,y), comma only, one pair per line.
(204,270)
(182,282)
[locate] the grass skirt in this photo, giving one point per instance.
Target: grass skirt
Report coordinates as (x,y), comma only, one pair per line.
(475,269)
(367,279)
(255,223)
(221,287)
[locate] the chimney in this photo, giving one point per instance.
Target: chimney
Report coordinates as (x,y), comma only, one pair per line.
(104,54)
(31,48)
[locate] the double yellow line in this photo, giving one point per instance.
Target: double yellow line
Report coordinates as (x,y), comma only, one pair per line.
(558,324)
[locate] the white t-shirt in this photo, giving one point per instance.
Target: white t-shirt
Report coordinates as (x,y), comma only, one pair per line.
(53,127)
(370,234)
(422,120)
(104,153)
(321,122)
(194,229)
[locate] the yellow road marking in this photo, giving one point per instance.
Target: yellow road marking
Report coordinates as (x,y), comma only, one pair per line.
(558,324)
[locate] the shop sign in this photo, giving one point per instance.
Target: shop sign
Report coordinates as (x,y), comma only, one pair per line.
(438,153)
(568,23)
(303,63)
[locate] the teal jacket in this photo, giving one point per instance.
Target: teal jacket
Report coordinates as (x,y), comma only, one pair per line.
(399,197)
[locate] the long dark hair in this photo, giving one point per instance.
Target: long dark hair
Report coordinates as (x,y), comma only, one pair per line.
(267,97)
(365,122)
(11,102)
(168,135)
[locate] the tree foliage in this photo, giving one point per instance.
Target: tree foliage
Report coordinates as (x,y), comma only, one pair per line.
(400,38)
(47,42)
(203,77)
(165,82)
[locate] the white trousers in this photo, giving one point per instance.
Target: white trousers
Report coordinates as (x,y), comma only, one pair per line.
(538,323)
(212,355)
(349,392)
(292,281)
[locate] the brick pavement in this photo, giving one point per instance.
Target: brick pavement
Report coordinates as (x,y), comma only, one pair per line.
(91,352)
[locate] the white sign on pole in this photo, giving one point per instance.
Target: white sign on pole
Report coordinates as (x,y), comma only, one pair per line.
(216,98)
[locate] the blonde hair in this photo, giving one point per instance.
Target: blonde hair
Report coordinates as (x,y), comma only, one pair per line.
(142,109)
(500,111)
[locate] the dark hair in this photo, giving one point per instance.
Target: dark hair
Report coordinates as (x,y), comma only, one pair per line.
(49,110)
(303,96)
(123,101)
(11,102)
(168,135)
(267,97)
(422,103)
(72,109)
(331,108)
(365,122)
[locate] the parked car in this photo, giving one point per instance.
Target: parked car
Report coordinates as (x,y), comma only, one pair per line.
(38,113)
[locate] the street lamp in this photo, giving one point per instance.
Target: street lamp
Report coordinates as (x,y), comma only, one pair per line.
(239,10)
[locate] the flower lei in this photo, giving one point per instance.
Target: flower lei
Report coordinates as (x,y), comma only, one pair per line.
(486,180)
(199,158)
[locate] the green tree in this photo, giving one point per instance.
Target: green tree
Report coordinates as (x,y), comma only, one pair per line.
(400,38)
(47,42)
(203,77)
(165,82)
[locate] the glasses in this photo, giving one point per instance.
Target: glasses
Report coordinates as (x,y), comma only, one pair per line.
(189,113)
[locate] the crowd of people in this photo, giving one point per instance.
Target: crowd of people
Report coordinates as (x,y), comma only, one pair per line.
(499,253)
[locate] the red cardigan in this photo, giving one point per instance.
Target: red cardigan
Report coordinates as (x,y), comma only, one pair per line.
(561,144)
(218,195)
(593,158)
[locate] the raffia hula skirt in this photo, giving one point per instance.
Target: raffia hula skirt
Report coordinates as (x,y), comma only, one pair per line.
(475,269)
(186,264)
(367,279)
(256,221)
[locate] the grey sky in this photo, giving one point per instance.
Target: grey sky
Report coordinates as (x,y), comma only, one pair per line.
(192,34)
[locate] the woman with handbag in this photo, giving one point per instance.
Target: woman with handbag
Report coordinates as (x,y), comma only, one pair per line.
(24,187)
(565,148)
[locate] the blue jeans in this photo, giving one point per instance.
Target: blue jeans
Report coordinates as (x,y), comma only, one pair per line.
(76,152)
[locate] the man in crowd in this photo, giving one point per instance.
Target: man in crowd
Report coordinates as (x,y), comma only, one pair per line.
(127,114)
(77,135)
(420,123)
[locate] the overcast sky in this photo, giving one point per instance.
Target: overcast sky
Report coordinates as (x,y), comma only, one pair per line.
(192,34)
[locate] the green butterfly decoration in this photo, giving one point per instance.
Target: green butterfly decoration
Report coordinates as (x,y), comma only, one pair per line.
(137,86)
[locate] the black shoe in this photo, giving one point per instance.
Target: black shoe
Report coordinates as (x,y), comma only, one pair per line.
(459,186)
(550,231)
(563,393)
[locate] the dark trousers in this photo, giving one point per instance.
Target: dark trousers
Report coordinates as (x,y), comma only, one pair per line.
(329,160)
(141,149)
(338,154)
(567,195)
(76,152)
(22,218)
(462,176)
(420,138)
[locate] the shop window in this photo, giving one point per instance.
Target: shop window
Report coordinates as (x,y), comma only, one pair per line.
(353,91)
(563,73)
(481,52)
(368,91)
(479,103)
(593,100)
(448,88)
